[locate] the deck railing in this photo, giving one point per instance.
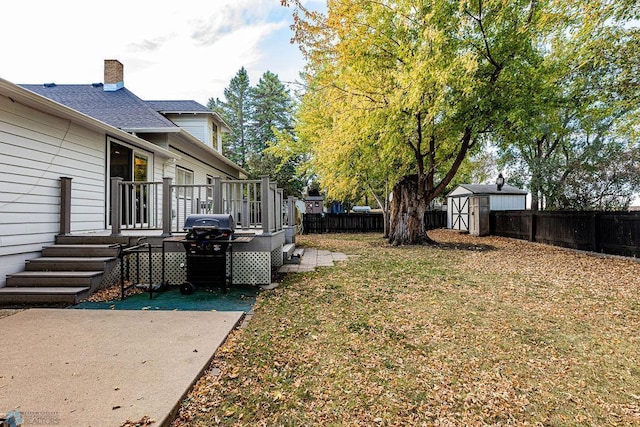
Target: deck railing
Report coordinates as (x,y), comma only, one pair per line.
(243,200)
(254,204)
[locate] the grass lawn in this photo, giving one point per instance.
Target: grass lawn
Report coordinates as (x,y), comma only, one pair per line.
(474,331)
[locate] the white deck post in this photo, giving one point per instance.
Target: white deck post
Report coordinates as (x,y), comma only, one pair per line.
(264,202)
(217,195)
(291,211)
(65,206)
(166,207)
(115,206)
(279,208)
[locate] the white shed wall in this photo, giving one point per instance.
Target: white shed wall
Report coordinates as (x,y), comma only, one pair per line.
(512,202)
(36,149)
(497,202)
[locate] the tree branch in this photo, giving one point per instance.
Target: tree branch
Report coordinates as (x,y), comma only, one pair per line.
(462,153)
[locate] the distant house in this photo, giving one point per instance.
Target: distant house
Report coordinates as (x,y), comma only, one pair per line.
(459,202)
(91,133)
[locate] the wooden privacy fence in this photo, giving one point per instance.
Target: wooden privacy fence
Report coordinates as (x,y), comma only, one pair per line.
(616,233)
(435,219)
(361,222)
(343,223)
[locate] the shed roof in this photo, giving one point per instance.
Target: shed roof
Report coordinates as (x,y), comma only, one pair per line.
(486,189)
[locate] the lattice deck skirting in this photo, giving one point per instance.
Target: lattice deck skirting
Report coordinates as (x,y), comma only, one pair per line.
(249,268)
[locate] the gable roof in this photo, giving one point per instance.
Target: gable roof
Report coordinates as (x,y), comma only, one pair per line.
(123,110)
(27,97)
(120,108)
(188,107)
(486,189)
(178,107)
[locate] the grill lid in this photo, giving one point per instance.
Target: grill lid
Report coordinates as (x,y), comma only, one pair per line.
(222,222)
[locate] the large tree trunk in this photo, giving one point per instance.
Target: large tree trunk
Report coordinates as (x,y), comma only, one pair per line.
(408,206)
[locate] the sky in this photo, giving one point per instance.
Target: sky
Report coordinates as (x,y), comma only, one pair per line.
(169,49)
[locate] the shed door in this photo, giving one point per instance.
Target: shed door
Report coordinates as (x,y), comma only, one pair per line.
(460,213)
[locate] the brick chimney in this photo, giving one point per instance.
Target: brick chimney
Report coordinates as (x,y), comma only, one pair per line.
(113,75)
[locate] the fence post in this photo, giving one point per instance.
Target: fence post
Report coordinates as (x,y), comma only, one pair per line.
(595,227)
(116,206)
(166,207)
(217,195)
(65,206)
(264,202)
(532,228)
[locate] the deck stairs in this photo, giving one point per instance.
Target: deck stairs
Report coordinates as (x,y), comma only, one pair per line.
(67,272)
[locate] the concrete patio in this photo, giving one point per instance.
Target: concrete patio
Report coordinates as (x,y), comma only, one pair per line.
(103,367)
(311,259)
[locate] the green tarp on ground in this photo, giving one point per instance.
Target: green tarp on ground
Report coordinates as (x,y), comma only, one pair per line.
(235,299)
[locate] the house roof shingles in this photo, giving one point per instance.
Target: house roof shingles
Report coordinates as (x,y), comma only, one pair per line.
(120,108)
(178,107)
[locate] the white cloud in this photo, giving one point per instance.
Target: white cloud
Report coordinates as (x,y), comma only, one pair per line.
(170,50)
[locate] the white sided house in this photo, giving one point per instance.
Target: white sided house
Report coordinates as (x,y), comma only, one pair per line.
(466,199)
(70,152)
(42,141)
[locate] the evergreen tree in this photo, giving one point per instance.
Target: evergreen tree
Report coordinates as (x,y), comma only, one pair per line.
(271,108)
(271,118)
(258,116)
(236,111)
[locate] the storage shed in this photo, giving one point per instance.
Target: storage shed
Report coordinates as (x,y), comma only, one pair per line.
(314,204)
(460,214)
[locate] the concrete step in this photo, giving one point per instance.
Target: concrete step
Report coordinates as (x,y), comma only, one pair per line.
(79,251)
(287,250)
(42,296)
(47,279)
(68,263)
(291,254)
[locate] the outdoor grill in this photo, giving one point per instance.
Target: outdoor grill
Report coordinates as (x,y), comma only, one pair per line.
(207,243)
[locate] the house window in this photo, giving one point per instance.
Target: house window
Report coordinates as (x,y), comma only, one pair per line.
(184,177)
(214,136)
(208,204)
(209,187)
(140,168)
